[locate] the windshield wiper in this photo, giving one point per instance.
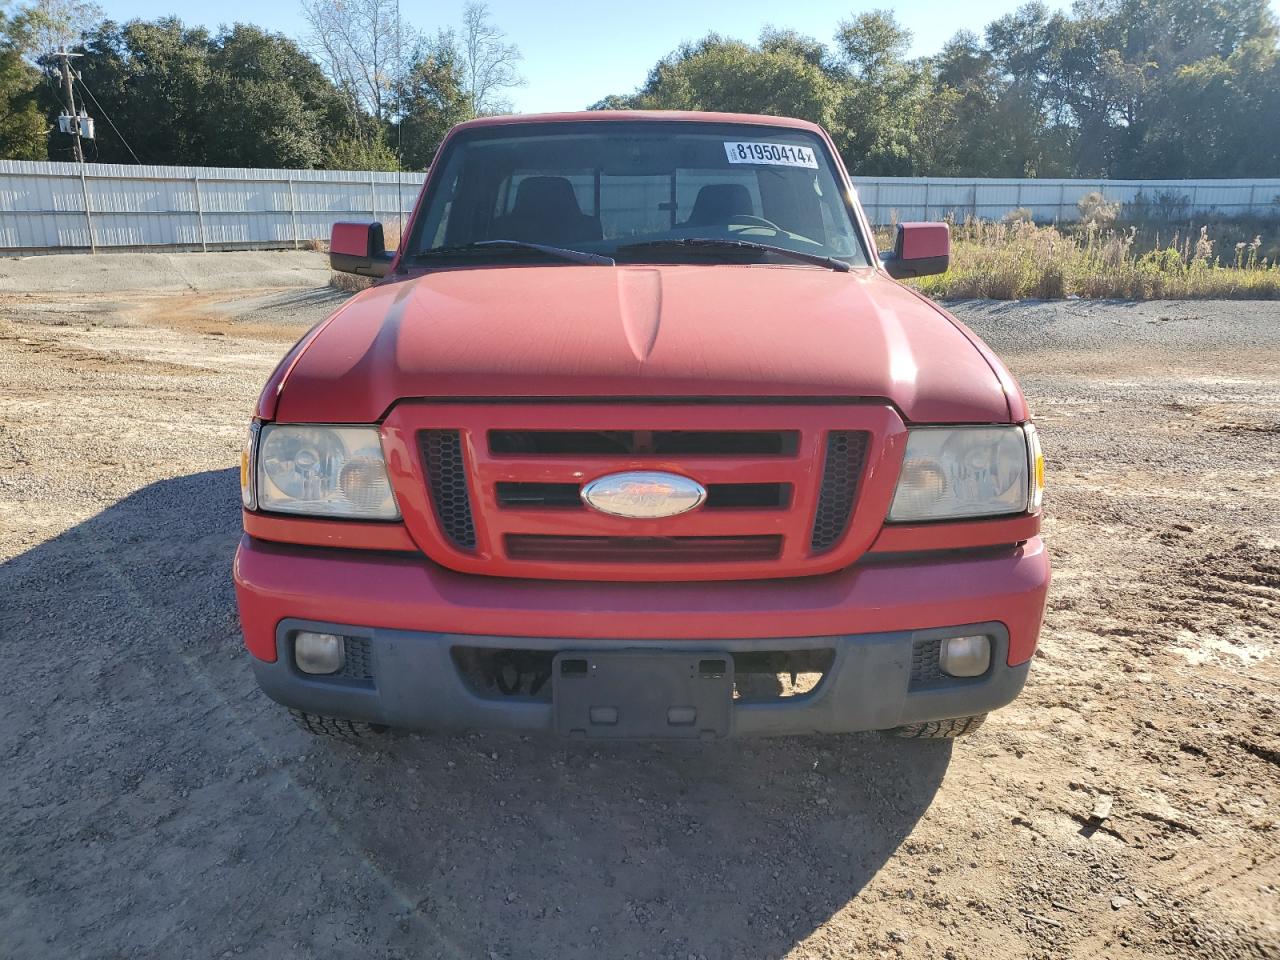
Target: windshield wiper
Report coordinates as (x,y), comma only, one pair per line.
(709,242)
(563,253)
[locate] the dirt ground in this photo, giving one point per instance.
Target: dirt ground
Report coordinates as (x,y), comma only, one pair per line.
(155,804)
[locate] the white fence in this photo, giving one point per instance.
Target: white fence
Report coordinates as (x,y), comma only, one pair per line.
(895,199)
(48,207)
(61,206)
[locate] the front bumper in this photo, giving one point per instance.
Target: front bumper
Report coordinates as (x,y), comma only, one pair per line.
(416,684)
(412,613)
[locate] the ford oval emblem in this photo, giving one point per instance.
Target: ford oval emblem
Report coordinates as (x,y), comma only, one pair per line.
(644,494)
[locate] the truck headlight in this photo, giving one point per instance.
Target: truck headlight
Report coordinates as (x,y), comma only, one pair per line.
(954,472)
(324,472)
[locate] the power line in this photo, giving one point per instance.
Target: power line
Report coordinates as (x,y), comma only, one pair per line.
(107,118)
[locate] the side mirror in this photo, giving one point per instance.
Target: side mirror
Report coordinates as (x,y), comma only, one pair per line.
(359,248)
(920,250)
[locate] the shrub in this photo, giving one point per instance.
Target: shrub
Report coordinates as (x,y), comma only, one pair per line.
(1167,206)
(1095,210)
(1018,260)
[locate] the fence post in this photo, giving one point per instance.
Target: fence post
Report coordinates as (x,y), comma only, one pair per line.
(293,212)
(88,212)
(1062,201)
(1253,192)
(204,242)
(373,198)
(926,200)
(973,202)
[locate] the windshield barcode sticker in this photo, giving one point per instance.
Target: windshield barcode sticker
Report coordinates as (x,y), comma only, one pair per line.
(778,154)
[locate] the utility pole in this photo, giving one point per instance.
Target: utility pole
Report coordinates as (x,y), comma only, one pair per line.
(64,60)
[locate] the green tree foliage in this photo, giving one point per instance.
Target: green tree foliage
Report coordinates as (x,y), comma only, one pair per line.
(885,99)
(718,74)
(359,153)
(272,105)
(434,97)
(241,97)
(22,123)
(1119,88)
(1113,88)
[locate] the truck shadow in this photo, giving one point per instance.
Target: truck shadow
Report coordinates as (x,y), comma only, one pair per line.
(164,806)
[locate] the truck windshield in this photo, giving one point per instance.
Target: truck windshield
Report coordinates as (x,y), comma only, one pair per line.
(636,192)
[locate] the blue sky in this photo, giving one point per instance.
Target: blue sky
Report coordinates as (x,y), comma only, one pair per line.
(575,53)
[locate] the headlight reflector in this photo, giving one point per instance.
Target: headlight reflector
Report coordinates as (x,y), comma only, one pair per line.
(954,472)
(324,471)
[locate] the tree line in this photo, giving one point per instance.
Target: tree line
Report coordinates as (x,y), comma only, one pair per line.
(362,89)
(1116,88)
(1113,88)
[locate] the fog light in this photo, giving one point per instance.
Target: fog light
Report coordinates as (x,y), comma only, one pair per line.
(965,656)
(318,652)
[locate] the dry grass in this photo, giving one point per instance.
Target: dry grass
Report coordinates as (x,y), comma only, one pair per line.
(1017,260)
(350,282)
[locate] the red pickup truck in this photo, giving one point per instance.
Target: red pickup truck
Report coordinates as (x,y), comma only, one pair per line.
(638,436)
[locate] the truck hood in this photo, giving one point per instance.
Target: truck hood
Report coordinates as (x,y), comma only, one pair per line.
(640,331)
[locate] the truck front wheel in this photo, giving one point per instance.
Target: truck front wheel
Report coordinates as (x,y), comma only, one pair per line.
(937,729)
(351,731)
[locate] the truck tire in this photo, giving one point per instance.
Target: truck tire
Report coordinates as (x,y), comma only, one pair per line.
(349,731)
(937,729)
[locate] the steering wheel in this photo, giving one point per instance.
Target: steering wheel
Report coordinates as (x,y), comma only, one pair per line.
(750,221)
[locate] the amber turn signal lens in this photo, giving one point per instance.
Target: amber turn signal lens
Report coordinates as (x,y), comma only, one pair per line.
(1037,466)
(248,461)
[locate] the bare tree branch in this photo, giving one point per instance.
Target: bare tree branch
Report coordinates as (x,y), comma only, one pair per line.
(58,24)
(361,45)
(489,62)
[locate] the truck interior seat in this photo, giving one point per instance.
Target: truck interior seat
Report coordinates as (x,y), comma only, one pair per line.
(546,211)
(719,203)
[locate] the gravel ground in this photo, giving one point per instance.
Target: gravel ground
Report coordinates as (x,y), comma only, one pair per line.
(156,805)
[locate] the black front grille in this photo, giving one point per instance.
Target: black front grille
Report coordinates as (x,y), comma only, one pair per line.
(551,549)
(447,478)
(720,496)
(841,471)
(524,495)
(688,443)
